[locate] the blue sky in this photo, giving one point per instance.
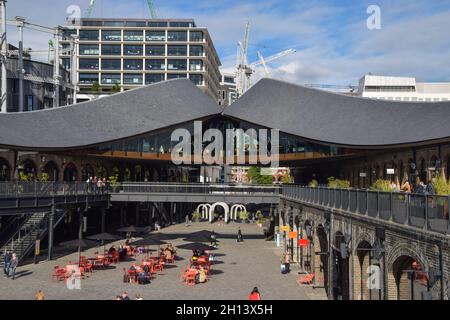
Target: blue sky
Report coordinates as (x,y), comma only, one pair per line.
(333,43)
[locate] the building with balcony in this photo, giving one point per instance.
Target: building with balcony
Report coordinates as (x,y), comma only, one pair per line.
(227,94)
(121,54)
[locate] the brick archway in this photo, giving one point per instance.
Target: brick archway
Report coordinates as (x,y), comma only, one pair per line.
(361,263)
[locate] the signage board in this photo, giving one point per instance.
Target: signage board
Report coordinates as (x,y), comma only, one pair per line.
(390,171)
(292,235)
(303,242)
(285,229)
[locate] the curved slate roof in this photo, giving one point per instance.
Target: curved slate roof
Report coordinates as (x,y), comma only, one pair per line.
(111,118)
(337,119)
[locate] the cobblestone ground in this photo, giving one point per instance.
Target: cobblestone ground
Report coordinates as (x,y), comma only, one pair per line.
(240,267)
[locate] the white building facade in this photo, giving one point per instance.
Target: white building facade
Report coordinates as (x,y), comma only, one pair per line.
(403,89)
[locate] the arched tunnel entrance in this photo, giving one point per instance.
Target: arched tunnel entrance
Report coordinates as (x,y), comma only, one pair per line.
(341,277)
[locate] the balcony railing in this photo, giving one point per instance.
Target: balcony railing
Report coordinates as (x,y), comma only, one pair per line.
(46,189)
(423,211)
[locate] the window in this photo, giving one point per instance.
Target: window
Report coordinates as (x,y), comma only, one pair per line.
(66,34)
(112,78)
(114,23)
(135,64)
(91,23)
(66,63)
(154,77)
(155,36)
(132,78)
(111,35)
(111,64)
(155,50)
(155,64)
(196,65)
(198,80)
(88,78)
(196,36)
(176,76)
(90,35)
(139,24)
(89,49)
(130,50)
(133,35)
(177,36)
(88,64)
(180,24)
(157,24)
(176,65)
(111,50)
(196,51)
(177,50)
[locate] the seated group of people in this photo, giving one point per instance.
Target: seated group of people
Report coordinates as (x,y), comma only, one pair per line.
(123,251)
(143,275)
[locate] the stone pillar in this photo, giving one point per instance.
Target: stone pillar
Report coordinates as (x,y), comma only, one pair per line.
(51,218)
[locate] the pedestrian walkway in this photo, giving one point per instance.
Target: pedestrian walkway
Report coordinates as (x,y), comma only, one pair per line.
(240,267)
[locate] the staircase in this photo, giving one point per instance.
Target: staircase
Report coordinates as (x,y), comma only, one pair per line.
(32,229)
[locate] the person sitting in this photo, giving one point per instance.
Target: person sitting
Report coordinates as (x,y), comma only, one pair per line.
(112,250)
(254,295)
(168,254)
(201,275)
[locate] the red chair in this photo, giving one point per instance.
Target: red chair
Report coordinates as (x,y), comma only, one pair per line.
(182,275)
(190,279)
(159,266)
(308,279)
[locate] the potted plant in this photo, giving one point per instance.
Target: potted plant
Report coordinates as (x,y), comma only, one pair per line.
(196,216)
(244,216)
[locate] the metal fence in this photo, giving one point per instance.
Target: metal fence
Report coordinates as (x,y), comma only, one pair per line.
(423,211)
(195,188)
(45,189)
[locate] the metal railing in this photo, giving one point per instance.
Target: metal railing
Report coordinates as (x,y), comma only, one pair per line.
(422,211)
(195,188)
(41,189)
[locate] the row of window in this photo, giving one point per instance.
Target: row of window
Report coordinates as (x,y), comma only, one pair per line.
(138,50)
(138,64)
(116,78)
(138,35)
(414,99)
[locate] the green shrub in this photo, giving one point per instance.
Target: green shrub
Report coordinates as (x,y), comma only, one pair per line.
(196,216)
(259,215)
(442,186)
(243,215)
(382,185)
(338,184)
(313,184)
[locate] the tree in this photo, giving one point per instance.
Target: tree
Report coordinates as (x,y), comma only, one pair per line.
(95,87)
(254,175)
(116,88)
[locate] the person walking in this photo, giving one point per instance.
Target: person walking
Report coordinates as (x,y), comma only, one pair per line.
(125,296)
(254,295)
(187,220)
(239,236)
(13,265)
(6,263)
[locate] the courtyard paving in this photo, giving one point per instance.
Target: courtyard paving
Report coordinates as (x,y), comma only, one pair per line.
(240,267)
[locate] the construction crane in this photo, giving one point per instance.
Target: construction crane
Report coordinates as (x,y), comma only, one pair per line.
(149,3)
(245,70)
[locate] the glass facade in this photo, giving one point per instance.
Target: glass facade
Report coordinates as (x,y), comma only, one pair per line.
(111,35)
(89,35)
(111,78)
(111,50)
(177,51)
(176,64)
(132,50)
(157,24)
(155,64)
(196,36)
(155,50)
(133,35)
(88,49)
(196,78)
(133,79)
(88,64)
(196,65)
(111,64)
(132,64)
(88,78)
(155,36)
(176,76)
(154,77)
(196,51)
(177,36)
